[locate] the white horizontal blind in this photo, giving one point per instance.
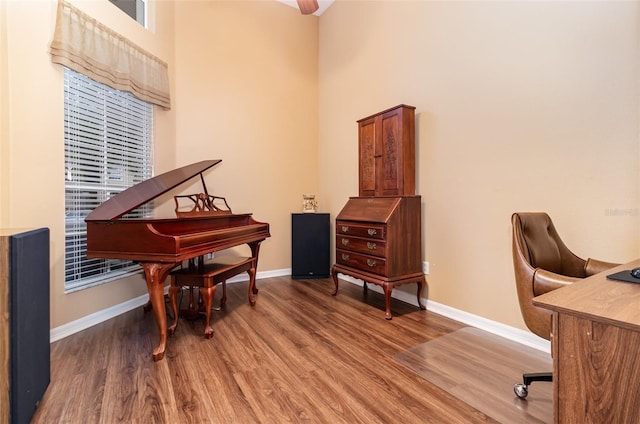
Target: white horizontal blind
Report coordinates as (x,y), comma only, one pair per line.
(108,148)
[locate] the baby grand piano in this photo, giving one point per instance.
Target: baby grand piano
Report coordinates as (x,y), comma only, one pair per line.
(159,245)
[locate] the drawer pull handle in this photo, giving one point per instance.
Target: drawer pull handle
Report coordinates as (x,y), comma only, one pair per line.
(345,229)
(345,241)
(372,231)
(345,257)
(371,246)
(371,262)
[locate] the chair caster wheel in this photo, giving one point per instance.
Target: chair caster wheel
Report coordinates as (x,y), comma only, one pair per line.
(520,390)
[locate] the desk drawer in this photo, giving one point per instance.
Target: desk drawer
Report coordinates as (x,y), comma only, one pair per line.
(372,264)
(367,246)
(348,228)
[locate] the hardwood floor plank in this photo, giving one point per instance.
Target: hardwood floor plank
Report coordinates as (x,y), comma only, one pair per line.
(299,355)
(282,389)
(289,351)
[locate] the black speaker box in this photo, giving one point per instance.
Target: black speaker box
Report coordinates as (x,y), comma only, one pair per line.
(24,323)
(310,247)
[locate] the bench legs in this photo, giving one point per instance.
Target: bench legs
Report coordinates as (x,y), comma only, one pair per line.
(252,286)
(173,300)
(207,293)
(206,278)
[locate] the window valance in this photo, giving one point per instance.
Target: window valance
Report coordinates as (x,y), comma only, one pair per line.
(87,46)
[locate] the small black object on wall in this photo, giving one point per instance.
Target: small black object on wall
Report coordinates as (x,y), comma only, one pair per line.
(310,249)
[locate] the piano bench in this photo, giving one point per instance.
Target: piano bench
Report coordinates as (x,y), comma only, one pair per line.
(216,271)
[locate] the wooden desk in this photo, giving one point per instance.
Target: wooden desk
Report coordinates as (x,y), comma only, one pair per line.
(595,345)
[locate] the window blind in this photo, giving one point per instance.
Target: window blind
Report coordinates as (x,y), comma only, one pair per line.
(108,148)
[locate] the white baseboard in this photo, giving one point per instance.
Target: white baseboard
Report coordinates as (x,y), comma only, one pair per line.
(96,318)
(511,333)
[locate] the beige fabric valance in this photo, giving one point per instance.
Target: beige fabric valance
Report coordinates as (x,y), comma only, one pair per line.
(85,45)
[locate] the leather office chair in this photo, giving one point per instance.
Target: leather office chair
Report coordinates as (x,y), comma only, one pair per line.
(542,263)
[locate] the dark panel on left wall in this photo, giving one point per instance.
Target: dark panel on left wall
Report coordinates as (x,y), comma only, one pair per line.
(27,279)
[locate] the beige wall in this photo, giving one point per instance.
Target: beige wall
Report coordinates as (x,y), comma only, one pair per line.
(244,88)
(247,93)
(4,118)
(521,106)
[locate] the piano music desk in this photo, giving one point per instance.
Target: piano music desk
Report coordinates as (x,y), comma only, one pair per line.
(216,271)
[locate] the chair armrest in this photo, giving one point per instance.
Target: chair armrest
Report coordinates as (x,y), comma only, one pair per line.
(594,266)
(546,281)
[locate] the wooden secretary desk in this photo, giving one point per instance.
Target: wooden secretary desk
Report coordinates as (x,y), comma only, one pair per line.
(378,233)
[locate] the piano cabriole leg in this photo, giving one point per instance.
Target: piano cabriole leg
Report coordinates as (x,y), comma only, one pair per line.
(155,274)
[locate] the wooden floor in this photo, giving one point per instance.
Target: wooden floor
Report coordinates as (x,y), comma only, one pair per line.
(299,355)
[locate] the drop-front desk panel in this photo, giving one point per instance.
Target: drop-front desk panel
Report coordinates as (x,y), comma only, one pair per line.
(595,345)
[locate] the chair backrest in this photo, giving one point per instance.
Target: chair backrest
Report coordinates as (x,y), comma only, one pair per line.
(543,248)
(537,245)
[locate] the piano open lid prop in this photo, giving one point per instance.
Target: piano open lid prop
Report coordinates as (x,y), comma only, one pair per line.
(160,244)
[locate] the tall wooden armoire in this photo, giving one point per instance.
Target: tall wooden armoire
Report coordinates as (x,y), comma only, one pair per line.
(386,152)
(378,233)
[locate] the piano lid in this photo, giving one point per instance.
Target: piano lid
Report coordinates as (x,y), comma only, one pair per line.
(143,192)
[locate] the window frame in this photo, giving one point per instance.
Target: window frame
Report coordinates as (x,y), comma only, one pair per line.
(139,14)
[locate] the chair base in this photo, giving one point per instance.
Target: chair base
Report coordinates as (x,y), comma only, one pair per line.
(522,390)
